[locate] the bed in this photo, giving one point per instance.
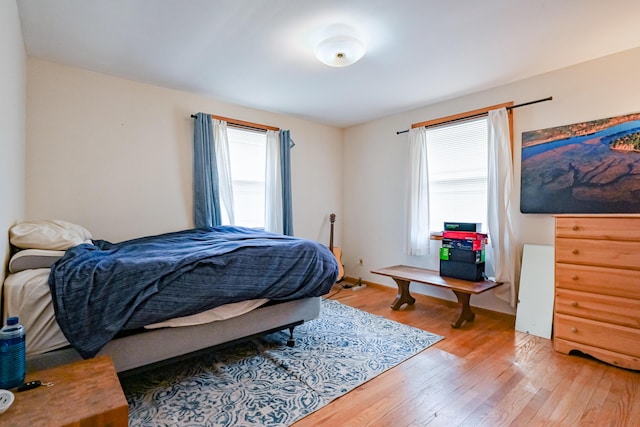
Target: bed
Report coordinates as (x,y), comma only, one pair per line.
(157,298)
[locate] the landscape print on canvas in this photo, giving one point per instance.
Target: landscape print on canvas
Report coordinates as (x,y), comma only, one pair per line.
(590,167)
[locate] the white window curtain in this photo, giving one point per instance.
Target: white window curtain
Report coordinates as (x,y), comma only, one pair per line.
(223,161)
(505,257)
(418,222)
(273,185)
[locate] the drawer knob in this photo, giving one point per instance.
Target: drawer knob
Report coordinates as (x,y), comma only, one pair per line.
(574,329)
(575,228)
(575,252)
(574,303)
(574,277)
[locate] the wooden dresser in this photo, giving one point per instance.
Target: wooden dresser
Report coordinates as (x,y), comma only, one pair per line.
(597,287)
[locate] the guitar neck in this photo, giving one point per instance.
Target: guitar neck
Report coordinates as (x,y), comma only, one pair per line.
(337,253)
(331,239)
(332,219)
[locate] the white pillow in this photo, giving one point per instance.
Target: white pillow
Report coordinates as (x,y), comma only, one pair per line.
(30,259)
(56,235)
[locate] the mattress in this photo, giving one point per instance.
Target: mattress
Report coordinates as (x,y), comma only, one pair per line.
(27,292)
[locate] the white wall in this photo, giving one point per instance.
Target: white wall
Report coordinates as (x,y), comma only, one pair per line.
(116,156)
(12,124)
(377,159)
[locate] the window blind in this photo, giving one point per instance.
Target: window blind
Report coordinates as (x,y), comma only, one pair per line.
(458,159)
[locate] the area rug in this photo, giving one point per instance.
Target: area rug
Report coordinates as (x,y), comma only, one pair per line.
(262,382)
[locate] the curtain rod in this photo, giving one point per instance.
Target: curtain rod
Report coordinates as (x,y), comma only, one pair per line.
(473,116)
(242,123)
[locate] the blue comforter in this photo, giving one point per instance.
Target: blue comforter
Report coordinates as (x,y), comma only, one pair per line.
(99,290)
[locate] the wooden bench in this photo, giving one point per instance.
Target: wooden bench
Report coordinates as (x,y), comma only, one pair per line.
(403,275)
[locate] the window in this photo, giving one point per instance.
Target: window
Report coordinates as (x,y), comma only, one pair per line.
(457,160)
(247,155)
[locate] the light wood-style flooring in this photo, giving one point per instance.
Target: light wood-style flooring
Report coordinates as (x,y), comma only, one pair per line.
(483,374)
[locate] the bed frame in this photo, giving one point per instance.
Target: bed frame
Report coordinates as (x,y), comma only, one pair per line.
(168,344)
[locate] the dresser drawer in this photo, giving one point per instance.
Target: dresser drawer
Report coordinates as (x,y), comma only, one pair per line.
(603,253)
(615,338)
(600,280)
(621,311)
(612,228)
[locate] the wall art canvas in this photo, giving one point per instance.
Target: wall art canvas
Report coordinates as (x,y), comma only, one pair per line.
(589,167)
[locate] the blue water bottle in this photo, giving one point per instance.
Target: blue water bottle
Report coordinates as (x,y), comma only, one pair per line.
(13,354)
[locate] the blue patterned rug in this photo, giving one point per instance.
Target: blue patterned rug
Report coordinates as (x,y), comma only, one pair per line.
(265,383)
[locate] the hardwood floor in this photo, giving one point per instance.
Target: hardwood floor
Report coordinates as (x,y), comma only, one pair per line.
(483,374)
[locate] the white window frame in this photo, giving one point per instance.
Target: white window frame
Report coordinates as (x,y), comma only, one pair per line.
(458,171)
(248,175)
(461,117)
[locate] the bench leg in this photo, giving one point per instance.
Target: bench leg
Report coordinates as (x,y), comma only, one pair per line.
(403,294)
(464,309)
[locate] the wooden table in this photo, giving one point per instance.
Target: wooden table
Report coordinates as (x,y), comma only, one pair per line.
(83,394)
(403,275)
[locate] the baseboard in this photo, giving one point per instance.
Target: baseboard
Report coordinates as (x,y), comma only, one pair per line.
(352,281)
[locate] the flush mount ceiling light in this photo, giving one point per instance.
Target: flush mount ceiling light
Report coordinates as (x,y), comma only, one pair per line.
(340,51)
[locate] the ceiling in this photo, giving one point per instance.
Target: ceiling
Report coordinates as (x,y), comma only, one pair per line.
(259,53)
